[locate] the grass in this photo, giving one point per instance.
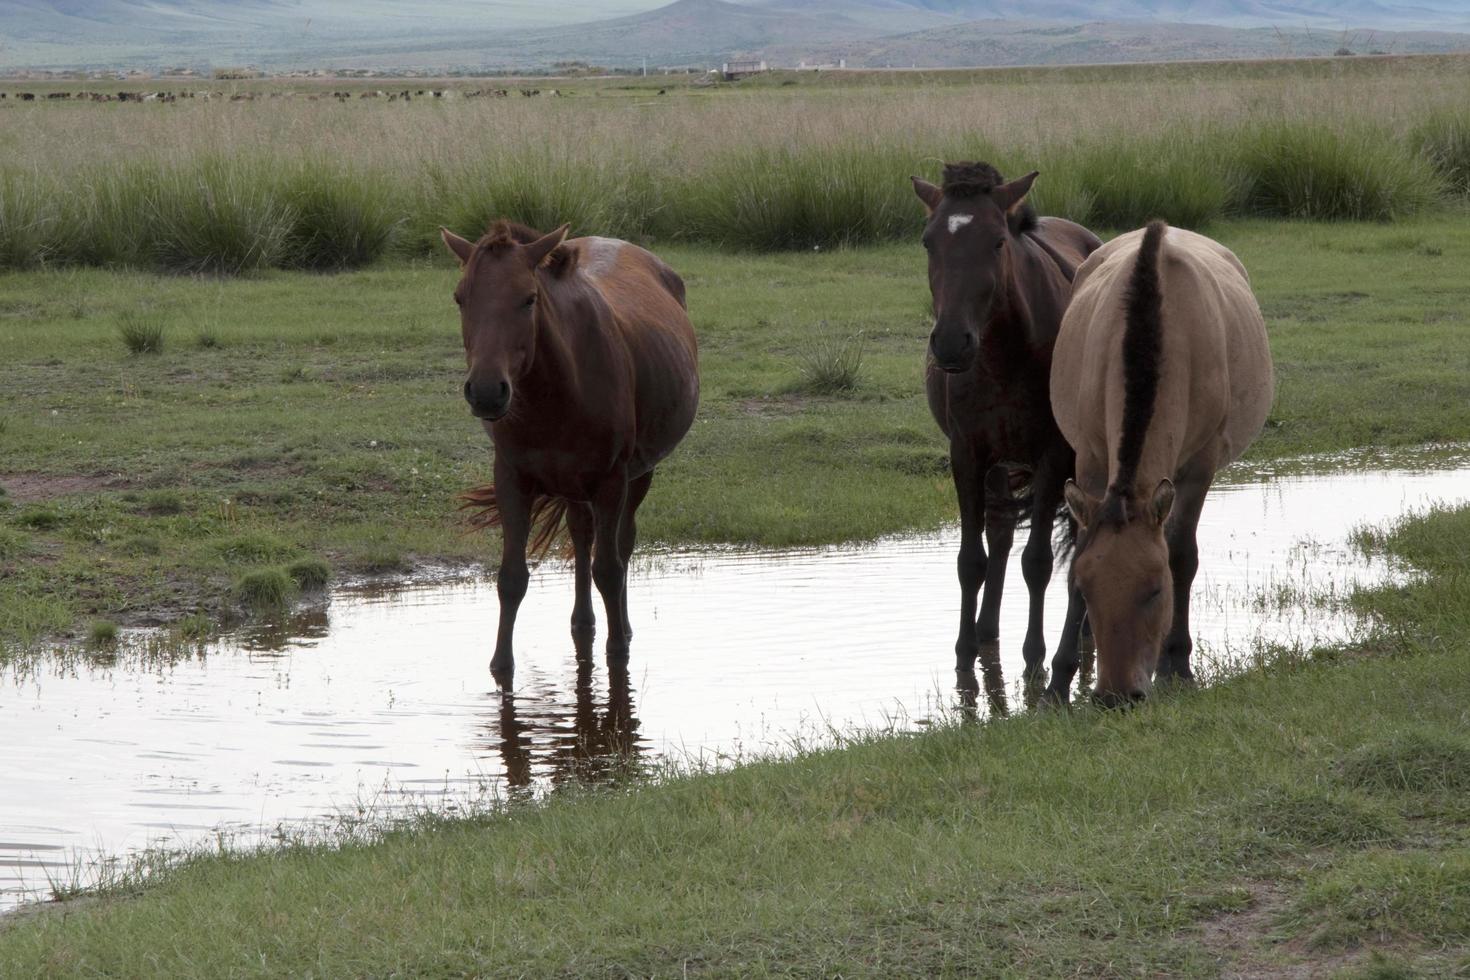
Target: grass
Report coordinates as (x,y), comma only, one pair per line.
(830,365)
(1211,832)
(310,574)
(1411,761)
(1443,138)
(103,633)
(265,590)
(140,334)
(756,168)
(219,455)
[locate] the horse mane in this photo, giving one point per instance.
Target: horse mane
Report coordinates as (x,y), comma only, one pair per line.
(1142,353)
(971,178)
(505,234)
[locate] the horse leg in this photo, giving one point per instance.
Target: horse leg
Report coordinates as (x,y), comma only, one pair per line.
(971,562)
(1183,564)
(628,536)
(579,523)
(1000,531)
(1037,564)
(1068,657)
(609,573)
(513,498)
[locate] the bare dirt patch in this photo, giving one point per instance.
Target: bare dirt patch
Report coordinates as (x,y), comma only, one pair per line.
(1247,946)
(31,487)
(778,406)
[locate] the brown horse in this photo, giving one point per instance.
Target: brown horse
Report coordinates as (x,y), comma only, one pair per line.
(1162,375)
(583,369)
(1000,278)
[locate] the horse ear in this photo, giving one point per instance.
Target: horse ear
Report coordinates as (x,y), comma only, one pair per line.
(1082,508)
(1009,196)
(928,193)
(1163,500)
(538,250)
(459,246)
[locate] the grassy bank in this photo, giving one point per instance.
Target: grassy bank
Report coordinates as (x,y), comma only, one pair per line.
(1307,818)
(291,417)
(291,183)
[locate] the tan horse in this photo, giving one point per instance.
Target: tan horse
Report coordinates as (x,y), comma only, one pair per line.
(1161,375)
(584,371)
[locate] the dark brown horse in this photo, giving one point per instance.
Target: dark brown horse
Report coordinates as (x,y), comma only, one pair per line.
(583,369)
(1162,375)
(1000,279)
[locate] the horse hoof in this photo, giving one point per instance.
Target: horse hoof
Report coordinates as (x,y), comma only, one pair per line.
(503,673)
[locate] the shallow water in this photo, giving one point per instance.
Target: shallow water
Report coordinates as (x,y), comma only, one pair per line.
(381,702)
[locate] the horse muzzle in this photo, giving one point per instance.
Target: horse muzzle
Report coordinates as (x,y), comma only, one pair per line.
(488,401)
(953,349)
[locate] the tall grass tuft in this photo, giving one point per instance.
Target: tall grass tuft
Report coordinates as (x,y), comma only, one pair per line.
(219,216)
(265,590)
(26,219)
(1335,173)
(106,217)
(310,574)
(141,334)
(1443,138)
(343,218)
(103,633)
(800,198)
(1130,181)
(830,365)
(614,197)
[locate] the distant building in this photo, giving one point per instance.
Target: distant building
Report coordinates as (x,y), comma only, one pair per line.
(740,69)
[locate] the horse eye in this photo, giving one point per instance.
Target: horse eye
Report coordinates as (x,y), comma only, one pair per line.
(530,302)
(1152,596)
(1000,244)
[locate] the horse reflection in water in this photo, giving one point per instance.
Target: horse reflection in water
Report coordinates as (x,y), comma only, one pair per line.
(602,744)
(991,680)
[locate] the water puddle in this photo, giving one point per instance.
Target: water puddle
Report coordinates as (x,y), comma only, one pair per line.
(382,703)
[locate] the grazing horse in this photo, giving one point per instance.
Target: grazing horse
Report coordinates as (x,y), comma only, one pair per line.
(1000,277)
(1162,375)
(583,369)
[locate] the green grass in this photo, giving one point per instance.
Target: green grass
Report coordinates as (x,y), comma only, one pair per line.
(103,633)
(1324,172)
(310,574)
(140,334)
(1213,832)
(219,455)
(265,590)
(829,365)
(1443,138)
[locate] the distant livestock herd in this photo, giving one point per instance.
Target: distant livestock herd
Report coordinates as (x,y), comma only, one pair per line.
(404,95)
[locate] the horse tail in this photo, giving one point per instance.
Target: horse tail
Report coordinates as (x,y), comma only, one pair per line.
(548,518)
(1142,351)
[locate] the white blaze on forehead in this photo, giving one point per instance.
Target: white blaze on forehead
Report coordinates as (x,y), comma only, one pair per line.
(599,255)
(958,221)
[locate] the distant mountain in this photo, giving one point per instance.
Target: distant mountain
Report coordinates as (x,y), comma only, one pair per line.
(163,32)
(530,34)
(1003,43)
(1381,14)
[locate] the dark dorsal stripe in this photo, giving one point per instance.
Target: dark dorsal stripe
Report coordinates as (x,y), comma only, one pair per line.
(1142,350)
